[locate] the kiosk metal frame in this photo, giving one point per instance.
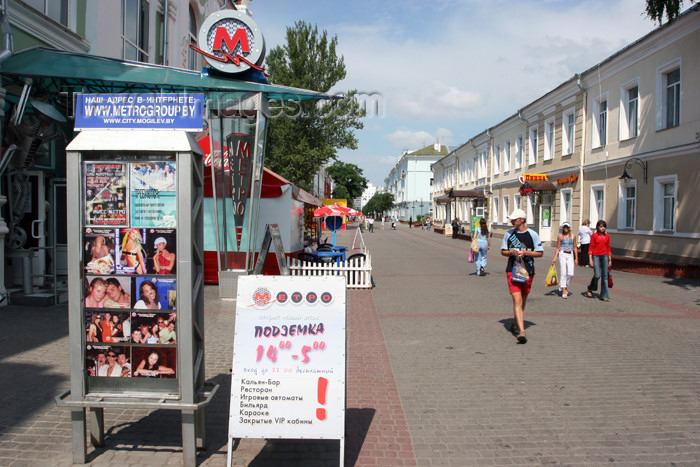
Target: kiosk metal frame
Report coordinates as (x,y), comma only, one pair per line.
(188,392)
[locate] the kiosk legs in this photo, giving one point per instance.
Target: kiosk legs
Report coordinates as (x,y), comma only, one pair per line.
(77,419)
(96,425)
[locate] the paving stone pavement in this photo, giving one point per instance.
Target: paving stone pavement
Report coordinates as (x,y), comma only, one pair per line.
(434,376)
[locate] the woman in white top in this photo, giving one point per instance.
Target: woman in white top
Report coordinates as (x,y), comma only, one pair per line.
(584,234)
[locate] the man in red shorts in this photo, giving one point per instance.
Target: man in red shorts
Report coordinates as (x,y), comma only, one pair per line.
(520,243)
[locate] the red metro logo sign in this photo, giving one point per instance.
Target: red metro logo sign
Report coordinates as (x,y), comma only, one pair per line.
(231,42)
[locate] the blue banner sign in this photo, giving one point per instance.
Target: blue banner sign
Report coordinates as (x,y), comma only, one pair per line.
(139,111)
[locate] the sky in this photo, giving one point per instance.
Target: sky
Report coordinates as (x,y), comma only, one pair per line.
(446,70)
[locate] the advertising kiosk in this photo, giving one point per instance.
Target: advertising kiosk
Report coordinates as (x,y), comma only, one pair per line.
(136,304)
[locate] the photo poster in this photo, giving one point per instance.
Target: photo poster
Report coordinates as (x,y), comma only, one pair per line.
(106,193)
(99,250)
(151,327)
(289,358)
(161,251)
(153,194)
(164,298)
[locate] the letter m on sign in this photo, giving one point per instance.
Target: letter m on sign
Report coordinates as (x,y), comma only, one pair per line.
(243,149)
(239,37)
(261,298)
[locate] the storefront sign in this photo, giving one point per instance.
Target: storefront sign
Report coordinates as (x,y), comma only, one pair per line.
(573,178)
(139,111)
(231,42)
(241,170)
(532,178)
(289,358)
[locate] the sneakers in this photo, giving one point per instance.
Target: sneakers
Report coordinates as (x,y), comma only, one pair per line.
(564,295)
(482,272)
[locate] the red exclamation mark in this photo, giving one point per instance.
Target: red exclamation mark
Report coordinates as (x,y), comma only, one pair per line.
(322,386)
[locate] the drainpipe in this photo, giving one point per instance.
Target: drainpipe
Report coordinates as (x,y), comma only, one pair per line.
(7,41)
(583,146)
(165,33)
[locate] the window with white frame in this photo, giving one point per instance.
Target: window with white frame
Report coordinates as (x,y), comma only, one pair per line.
(568,126)
(549,139)
(506,157)
(565,203)
(532,146)
(600,122)
(668,95)
(506,209)
(627,205)
(597,207)
(135,30)
(497,159)
(516,202)
(629,110)
(518,153)
(530,209)
(482,166)
(665,209)
(494,208)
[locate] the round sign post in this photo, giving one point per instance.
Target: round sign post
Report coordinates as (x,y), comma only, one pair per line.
(334,223)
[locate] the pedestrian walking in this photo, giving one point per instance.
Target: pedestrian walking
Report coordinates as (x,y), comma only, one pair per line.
(521,245)
(584,238)
(383,218)
(568,256)
(410,222)
(371,224)
(393,223)
(600,259)
(483,239)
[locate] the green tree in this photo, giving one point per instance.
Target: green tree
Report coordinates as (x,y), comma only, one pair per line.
(656,9)
(379,203)
(305,135)
(348,180)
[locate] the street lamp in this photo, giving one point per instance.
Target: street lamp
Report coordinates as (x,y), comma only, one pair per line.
(634,160)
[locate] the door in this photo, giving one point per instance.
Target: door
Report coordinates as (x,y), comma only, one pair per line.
(545,218)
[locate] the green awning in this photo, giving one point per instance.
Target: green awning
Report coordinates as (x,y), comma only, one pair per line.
(55,71)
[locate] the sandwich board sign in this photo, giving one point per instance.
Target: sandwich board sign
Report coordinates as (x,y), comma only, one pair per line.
(289,359)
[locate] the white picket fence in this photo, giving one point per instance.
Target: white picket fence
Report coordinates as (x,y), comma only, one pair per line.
(357,271)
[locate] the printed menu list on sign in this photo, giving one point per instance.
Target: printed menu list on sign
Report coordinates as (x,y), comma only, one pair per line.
(289,358)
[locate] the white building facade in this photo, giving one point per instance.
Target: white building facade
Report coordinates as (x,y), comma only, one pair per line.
(410,182)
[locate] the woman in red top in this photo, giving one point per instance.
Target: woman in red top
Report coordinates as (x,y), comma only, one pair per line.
(600,259)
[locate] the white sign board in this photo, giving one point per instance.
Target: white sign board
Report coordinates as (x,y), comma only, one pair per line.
(289,358)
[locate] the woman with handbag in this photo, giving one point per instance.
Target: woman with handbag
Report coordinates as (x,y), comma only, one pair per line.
(600,259)
(483,245)
(568,257)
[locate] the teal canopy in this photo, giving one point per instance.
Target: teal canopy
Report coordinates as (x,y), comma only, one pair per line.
(54,71)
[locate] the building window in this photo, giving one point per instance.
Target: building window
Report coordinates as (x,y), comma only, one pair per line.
(506,157)
(629,112)
(506,209)
(532,147)
(519,153)
(494,208)
(565,198)
(57,10)
(673,98)
(516,202)
(597,203)
(665,195)
(135,30)
(600,123)
(530,209)
(194,62)
(668,95)
(549,139)
(627,208)
(568,123)
(497,159)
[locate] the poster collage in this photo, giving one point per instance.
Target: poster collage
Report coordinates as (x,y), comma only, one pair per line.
(129,252)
